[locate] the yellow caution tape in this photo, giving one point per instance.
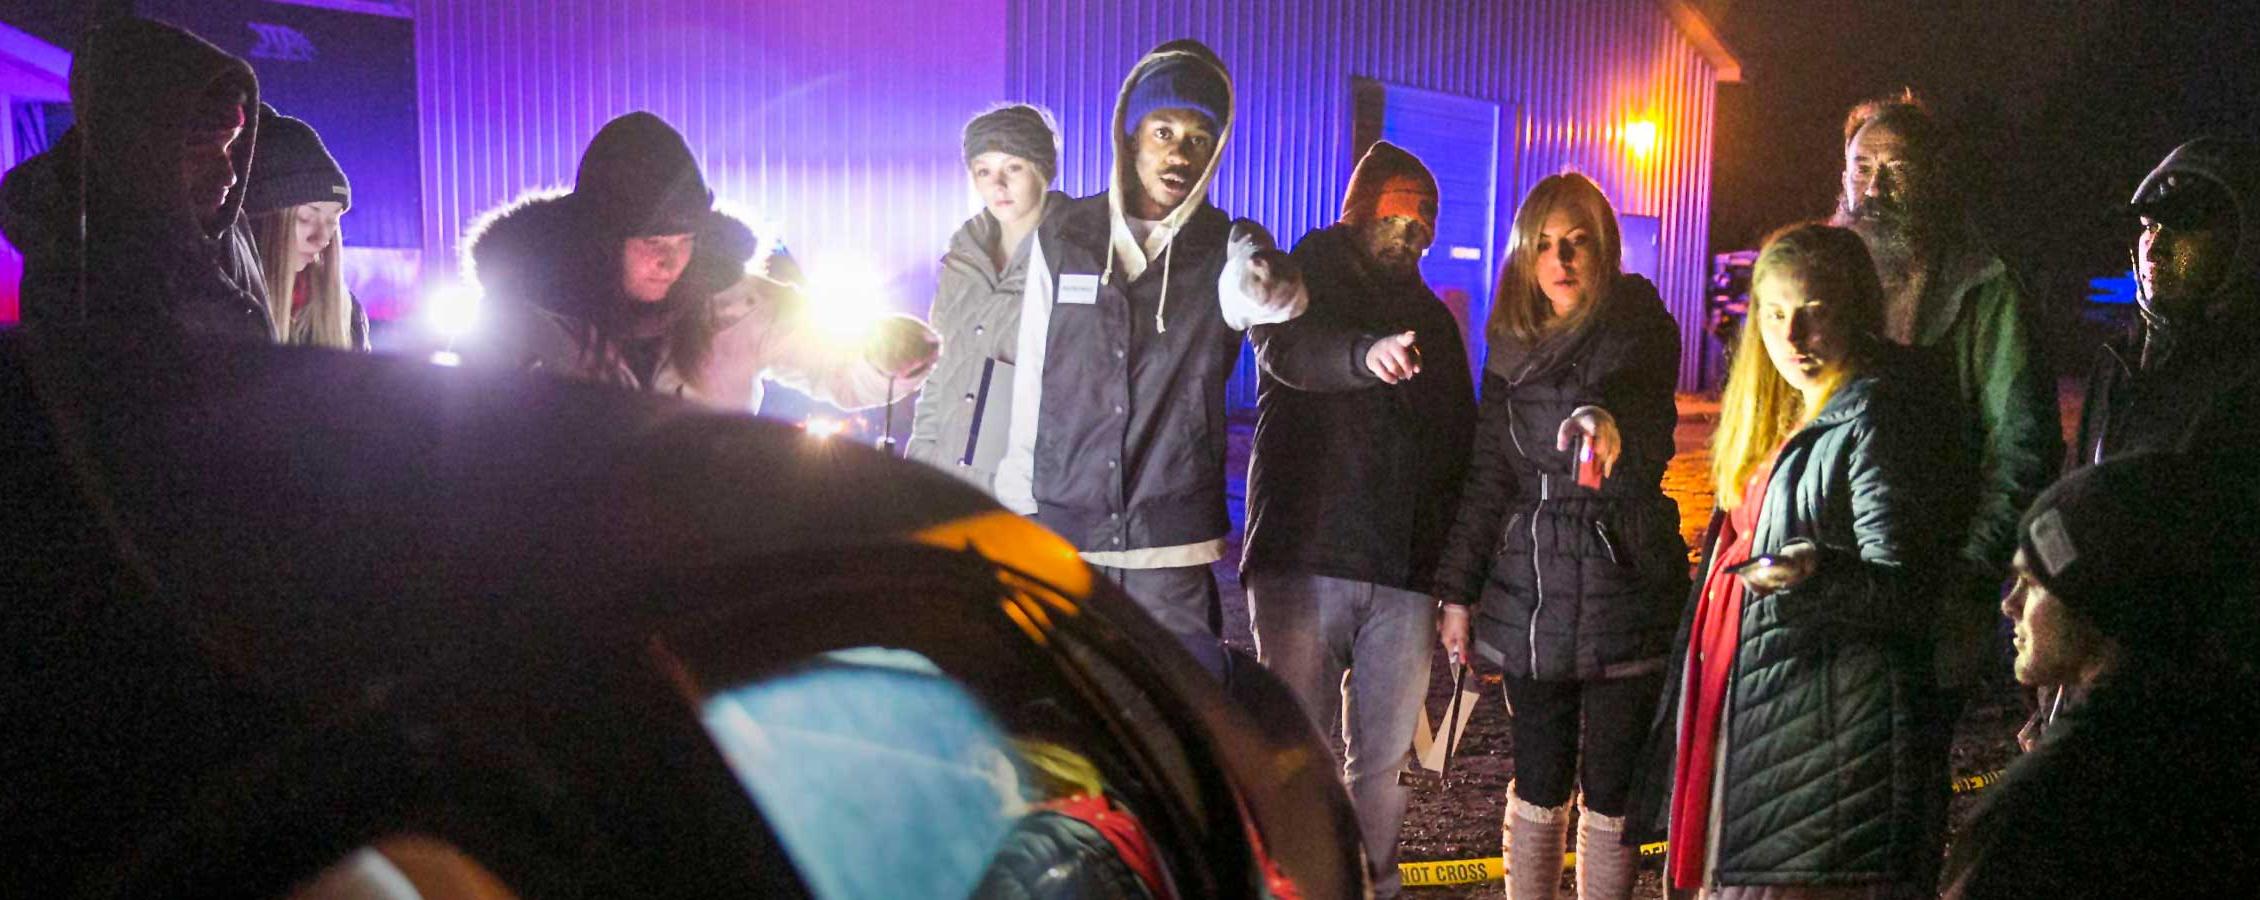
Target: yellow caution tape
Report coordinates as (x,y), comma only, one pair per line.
(1462,871)
(1493,868)
(1970,783)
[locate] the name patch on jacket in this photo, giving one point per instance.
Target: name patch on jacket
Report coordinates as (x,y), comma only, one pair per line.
(1082,290)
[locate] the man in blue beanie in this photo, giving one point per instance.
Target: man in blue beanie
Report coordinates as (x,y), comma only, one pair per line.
(1141,296)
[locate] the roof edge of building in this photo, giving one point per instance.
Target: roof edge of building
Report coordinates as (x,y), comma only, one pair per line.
(1699,31)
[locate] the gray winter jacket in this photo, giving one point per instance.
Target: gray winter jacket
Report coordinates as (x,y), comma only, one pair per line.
(977,312)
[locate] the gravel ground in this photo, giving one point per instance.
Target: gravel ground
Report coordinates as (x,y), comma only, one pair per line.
(1461,820)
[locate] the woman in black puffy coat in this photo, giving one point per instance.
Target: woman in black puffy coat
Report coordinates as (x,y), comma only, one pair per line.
(1571,589)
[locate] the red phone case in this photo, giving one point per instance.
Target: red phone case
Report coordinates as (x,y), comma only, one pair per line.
(1588,465)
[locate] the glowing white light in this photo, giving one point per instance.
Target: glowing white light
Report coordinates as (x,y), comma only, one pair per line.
(448,358)
(821,427)
(1459,252)
(847,296)
(453,310)
(1640,137)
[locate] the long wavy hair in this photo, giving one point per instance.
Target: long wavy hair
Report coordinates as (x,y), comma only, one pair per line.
(327,320)
(1520,312)
(1759,408)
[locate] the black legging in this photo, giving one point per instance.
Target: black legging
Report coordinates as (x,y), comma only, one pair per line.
(1616,713)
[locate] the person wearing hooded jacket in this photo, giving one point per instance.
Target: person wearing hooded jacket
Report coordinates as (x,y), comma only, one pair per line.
(1360,446)
(1571,586)
(1011,157)
(2190,381)
(134,218)
(633,278)
(1136,302)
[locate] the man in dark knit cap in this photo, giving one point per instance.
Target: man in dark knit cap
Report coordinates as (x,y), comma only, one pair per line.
(1361,445)
(633,278)
(2136,593)
(1011,158)
(1118,439)
(134,218)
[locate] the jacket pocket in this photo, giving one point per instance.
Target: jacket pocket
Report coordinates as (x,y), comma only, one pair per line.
(1514,524)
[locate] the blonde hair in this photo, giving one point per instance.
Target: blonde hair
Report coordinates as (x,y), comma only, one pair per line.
(1759,409)
(328,318)
(1521,310)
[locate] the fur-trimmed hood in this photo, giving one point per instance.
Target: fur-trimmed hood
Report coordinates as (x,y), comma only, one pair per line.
(544,250)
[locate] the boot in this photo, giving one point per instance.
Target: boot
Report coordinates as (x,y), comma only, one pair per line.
(1533,841)
(1606,867)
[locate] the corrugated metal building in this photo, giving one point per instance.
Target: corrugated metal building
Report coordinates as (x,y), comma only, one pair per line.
(837,121)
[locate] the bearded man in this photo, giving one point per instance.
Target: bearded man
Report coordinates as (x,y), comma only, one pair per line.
(1947,294)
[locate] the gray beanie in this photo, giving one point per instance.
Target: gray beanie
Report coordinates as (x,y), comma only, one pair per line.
(289,166)
(2153,548)
(1019,130)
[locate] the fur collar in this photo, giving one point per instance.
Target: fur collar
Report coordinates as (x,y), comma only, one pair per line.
(542,250)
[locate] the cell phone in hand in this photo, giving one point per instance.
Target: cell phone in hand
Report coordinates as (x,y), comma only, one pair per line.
(1588,464)
(1760,561)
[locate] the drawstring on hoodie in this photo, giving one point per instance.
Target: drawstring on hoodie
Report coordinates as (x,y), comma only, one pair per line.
(1168,252)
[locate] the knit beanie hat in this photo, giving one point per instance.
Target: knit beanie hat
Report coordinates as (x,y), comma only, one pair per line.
(2152,548)
(1018,130)
(638,179)
(1390,182)
(290,166)
(1179,82)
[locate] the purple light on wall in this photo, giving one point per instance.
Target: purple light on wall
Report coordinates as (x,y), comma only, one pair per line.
(835,123)
(32,71)
(1571,73)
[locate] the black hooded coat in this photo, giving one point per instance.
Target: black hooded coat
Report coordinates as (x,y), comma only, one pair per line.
(1348,477)
(549,263)
(1572,583)
(140,256)
(2191,381)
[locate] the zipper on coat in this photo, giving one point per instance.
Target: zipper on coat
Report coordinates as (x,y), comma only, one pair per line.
(1538,572)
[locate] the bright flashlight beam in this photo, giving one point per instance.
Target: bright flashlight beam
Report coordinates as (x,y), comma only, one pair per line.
(453,310)
(846,300)
(819,427)
(1640,138)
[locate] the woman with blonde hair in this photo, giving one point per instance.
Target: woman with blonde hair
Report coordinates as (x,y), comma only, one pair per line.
(1570,577)
(1011,160)
(1797,769)
(295,197)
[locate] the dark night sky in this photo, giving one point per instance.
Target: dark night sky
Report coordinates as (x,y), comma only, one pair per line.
(2064,105)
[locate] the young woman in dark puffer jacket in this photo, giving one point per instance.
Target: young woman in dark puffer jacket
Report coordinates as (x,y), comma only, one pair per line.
(1787,751)
(1570,589)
